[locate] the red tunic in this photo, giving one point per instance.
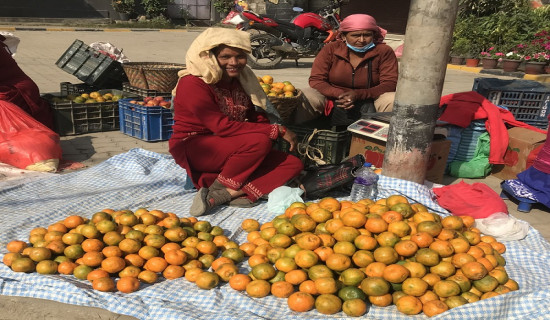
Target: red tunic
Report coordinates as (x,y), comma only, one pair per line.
(16,87)
(218,134)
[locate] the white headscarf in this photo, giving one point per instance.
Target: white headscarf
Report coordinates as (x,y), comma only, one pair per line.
(201,62)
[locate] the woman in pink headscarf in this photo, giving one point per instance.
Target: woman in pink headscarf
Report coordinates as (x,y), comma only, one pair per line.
(354,75)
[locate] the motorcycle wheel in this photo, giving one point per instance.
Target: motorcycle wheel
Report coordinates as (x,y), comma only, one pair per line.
(262,55)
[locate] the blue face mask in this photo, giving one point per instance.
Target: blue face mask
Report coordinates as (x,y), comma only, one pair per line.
(362,49)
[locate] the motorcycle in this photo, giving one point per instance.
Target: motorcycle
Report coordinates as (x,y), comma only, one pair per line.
(302,37)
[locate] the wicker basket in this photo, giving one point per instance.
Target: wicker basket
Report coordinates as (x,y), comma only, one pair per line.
(160,76)
(287,105)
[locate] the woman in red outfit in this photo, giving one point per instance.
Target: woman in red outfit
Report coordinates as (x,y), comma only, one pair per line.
(222,137)
(16,87)
(355,75)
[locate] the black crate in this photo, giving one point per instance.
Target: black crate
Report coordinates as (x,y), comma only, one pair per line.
(67,88)
(126,87)
(527,100)
(72,118)
(331,146)
(91,66)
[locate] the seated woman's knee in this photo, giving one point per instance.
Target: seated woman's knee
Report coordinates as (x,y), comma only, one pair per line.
(259,141)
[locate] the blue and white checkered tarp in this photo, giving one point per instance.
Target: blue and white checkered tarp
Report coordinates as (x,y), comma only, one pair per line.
(141,178)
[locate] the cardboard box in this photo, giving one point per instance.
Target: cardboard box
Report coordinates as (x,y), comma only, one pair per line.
(521,143)
(373,150)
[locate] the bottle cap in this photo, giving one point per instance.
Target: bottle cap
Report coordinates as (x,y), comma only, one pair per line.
(367,164)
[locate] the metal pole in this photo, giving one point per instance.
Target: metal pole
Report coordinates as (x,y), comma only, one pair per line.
(422,74)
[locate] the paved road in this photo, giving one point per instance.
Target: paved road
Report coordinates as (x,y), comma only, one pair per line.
(37,54)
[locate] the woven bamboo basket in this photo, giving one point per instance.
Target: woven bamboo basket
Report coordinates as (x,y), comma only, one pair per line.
(160,76)
(287,105)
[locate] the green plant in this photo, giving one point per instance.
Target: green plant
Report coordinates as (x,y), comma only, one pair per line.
(124,6)
(223,6)
(460,47)
(155,8)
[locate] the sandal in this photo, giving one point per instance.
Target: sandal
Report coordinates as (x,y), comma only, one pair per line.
(206,199)
(242,202)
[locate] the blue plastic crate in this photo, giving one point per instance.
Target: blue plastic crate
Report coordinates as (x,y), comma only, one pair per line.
(145,123)
(528,101)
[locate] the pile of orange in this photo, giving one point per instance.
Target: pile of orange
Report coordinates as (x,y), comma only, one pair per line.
(331,255)
(284,89)
(337,256)
(135,247)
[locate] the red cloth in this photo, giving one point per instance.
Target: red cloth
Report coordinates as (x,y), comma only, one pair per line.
(219,135)
(464,107)
(332,73)
(476,200)
(16,87)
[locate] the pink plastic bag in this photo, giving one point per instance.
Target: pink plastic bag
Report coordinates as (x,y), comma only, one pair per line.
(26,143)
(476,200)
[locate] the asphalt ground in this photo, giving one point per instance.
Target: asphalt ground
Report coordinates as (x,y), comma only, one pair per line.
(41,47)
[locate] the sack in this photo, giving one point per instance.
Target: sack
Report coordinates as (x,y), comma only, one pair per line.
(319,180)
(25,143)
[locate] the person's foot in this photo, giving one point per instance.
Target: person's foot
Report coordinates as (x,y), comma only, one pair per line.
(242,202)
(206,199)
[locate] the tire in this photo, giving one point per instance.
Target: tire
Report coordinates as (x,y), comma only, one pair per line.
(262,55)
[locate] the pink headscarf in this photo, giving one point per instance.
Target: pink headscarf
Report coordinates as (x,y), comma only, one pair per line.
(357,22)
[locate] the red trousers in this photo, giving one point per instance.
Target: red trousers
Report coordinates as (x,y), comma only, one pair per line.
(246,162)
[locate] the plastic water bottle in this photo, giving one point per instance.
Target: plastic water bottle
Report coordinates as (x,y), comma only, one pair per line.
(365,184)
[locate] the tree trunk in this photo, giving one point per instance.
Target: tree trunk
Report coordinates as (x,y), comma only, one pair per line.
(422,75)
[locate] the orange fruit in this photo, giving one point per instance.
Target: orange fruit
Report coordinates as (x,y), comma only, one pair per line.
(308,286)
(156,264)
(326,285)
(409,305)
(375,286)
(104,284)
(296,277)
(446,288)
(282,289)
(93,258)
(127,284)
(239,281)
(16,246)
(113,264)
(96,274)
(474,270)
(381,301)
(375,269)
(173,272)
(338,262)
(395,273)
(328,304)
(175,257)
(434,307)
(354,307)
(301,301)
(227,271)
(258,288)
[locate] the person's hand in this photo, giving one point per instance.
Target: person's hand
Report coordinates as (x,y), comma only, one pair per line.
(291,138)
(346,100)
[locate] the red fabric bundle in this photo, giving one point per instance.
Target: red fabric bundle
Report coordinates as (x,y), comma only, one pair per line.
(24,141)
(476,200)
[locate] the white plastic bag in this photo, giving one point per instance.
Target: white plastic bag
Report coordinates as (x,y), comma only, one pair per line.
(110,50)
(503,227)
(12,41)
(282,197)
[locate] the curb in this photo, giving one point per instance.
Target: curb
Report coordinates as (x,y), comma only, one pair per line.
(498,72)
